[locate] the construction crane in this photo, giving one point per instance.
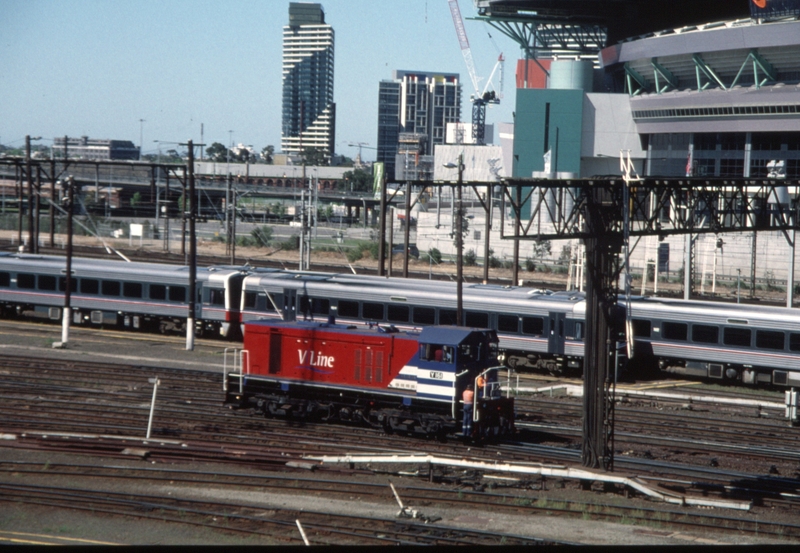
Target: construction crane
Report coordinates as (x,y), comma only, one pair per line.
(360,145)
(480,98)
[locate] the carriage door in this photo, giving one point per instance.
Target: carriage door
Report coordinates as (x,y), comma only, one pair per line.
(555,342)
(289,304)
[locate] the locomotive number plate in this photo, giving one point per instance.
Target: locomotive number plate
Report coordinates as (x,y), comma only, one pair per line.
(438,375)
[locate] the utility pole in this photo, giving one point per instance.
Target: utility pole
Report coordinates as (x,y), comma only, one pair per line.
(28,170)
(192,251)
(459,245)
(65,320)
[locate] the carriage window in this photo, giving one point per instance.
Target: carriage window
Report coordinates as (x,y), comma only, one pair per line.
(62,284)
(533,326)
(158,292)
(5,280)
(132,289)
(250,299)
(508,323)
(217,296)
(398,313)
(348,308)
(736,336)
(177,293)
(674,331)
(373,311)
(90,286)
(320,306)
(448,317)
(641,328)
(794,342)
(705,334)
(26,281)
(110,288)
(769,339)
(478,320)
(47,282)
(424,316)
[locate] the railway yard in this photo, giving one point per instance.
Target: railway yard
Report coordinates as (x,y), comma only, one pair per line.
(694,464)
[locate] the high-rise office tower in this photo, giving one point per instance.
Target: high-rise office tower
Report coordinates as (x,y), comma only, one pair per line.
(419,105)
(308,111)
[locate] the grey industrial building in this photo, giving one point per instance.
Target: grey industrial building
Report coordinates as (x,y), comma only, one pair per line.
(94,149)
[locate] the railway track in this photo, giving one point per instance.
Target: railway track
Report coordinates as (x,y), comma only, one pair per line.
(99,410)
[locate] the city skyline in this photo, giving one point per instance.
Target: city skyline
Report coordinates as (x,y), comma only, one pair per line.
(158,71)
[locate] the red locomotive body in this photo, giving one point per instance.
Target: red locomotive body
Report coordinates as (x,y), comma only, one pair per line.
(400,381)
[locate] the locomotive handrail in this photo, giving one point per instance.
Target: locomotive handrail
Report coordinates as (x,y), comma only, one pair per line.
(243,369)
(237,363)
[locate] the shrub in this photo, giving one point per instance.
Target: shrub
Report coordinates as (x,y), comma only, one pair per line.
(470,258)
(261,236)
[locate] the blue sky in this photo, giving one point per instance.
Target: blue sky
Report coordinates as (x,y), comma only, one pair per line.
(96,67)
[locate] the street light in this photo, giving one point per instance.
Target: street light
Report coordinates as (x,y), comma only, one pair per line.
(141,135)
(69,184)
(459,238)
(32,238)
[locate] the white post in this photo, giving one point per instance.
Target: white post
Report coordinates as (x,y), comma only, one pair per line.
(155,382)
(65,325)
(190,333)
(302,532)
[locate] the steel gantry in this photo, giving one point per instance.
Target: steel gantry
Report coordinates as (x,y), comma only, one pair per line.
(607,213)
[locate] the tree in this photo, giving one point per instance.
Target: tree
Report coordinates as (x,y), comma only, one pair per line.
(217,152)
(315,157)
(268,154)
(358,180)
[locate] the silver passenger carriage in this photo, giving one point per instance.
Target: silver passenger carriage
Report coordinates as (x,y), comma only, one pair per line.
(537,329)
(135,295)
(749,343)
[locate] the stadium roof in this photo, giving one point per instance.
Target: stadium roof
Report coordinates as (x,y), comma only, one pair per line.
(622,18)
